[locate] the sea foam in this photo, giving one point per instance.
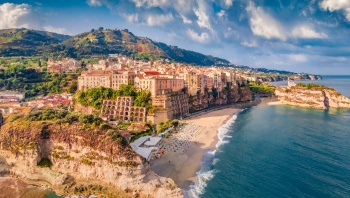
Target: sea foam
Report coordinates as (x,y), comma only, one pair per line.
(206,173)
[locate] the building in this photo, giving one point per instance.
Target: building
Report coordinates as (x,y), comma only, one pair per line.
(67,65)
(122,109)
(52,101)
(103,78)
(179,105)
(120,77)
(8,110)
(125,134)
(194,83)
(11,96)
(146,146)
(158,85)
(97,78)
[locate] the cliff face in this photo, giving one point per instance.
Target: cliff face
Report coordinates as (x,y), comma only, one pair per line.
(77,156)
(291,77)
(318,98)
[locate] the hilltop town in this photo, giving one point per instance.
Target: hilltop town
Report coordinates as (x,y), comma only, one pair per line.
(140,109)
(131,105)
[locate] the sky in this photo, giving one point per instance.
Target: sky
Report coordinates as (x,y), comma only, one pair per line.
(311,36)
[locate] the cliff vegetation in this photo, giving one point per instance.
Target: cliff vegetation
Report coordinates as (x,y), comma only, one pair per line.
(93,97)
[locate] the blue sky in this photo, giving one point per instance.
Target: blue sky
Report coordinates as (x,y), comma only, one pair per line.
(311,36)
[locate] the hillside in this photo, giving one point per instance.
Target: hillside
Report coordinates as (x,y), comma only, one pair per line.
(23,42)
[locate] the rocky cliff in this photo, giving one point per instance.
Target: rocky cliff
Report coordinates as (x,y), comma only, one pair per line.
(291,77)
(312,96)
(75,159)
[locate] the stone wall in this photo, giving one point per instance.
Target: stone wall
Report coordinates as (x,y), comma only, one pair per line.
(122,109)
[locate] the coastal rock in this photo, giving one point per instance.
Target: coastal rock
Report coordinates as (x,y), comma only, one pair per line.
(78,160)
(290,77)
(318,97)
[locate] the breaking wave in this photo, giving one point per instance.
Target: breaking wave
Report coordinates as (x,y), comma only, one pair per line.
(207,172)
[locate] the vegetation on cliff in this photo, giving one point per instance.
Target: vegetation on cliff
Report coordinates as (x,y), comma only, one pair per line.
(24,131)
(34,83)
(313,86)
(261,88)
(163,126)
(93,97)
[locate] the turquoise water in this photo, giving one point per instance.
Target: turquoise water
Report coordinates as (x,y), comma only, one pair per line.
(280,151)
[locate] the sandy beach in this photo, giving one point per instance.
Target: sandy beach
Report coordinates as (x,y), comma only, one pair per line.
(182,160)
(275,103)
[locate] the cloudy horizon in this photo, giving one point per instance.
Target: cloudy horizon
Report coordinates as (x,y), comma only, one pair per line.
(301,36)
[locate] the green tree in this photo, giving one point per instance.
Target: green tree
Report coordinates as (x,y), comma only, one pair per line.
(142,99)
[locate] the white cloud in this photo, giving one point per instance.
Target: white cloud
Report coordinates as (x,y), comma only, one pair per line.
(19,16)
(186,20)
(306,32)
(200,38)
(228,3)
(94,3)
(264,25)
(55,29)
(337,5)
(202,15)
(298,58)
(158,19)
(221,13)
(131,18)
(250,44)
(181,6)
(151,3)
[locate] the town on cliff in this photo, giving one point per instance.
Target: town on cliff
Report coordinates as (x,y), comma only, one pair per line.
(105,120)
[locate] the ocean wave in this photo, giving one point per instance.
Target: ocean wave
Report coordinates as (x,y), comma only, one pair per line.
(223,130)
(215,161)
(207,173)
(198,187)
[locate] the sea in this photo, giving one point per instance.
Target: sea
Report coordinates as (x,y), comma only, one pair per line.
(280,151)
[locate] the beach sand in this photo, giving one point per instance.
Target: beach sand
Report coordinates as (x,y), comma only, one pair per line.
(182,165)
(275,103)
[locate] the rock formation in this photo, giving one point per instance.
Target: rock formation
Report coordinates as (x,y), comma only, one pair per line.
(79,155)
(291,77)
(312,96)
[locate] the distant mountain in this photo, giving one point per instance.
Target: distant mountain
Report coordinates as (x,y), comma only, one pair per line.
(23,42)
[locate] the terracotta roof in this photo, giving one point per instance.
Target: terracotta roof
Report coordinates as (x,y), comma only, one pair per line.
(149,73)
(125,134)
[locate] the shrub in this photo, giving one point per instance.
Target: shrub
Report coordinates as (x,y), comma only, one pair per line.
(87,162)
(60,148)
(45,163)
(104,126)
(15,117)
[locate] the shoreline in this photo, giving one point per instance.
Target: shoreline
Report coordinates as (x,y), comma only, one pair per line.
(182,166)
